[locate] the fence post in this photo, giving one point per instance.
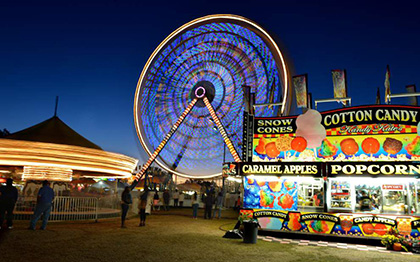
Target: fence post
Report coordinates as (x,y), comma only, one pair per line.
(97,210)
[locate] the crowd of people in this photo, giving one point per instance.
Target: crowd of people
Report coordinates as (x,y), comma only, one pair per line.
(153,200)
(212,201)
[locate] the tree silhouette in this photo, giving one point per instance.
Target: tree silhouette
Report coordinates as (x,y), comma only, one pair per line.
(4,132)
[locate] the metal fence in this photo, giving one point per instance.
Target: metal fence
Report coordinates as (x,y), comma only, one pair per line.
(67,208)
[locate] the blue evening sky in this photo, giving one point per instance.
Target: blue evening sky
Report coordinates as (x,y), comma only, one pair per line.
(90,54)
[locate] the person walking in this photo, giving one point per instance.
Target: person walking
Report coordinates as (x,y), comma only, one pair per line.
(8,198)
(218,205)
(156,201)
(142,208)
(45,198)
(209,205)
(126,201)
(175,196)
(195,204)
(166,200)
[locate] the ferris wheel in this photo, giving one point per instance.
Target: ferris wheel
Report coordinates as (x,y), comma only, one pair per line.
(189,100)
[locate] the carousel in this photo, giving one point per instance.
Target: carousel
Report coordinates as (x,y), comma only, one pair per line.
(76,167)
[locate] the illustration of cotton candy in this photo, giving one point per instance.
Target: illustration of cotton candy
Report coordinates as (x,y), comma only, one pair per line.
(418,129)
(309,126)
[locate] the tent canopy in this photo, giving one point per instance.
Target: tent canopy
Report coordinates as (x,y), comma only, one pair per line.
(55,131)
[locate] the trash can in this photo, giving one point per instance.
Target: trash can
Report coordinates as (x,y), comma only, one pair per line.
(250,231)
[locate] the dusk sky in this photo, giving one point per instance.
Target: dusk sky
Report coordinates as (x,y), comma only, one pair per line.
(91,53)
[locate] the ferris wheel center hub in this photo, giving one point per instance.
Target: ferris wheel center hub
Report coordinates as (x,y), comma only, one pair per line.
(202,89)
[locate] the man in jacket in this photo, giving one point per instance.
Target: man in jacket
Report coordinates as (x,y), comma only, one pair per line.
(8,198)
(43,206)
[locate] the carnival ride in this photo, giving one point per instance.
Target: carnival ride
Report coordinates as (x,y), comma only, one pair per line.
(195,81)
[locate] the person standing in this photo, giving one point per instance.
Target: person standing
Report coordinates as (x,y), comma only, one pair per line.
(142,208)
(238,204)
(195,204)
(166,200)
(175,196)
(209,205)
(365,202)
(126,201)
(181,199)
(8,198)
(156,201)
(218,205)
(45,198)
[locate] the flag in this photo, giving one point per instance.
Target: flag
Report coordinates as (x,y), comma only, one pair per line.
(301,90)
(272,90)
(387,85)
(339,82)
(412,100)
(378,97)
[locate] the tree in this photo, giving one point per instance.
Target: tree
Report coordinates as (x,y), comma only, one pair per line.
(4,132)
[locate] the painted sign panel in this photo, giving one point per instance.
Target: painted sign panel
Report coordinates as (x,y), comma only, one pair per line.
(343,224)
(368,133)
(270,193)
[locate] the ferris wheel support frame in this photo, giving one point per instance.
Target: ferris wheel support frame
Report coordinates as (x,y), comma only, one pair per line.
(173,129)
(163,143)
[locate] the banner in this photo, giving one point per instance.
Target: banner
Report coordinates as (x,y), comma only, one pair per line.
(361,133)
(297,168)
(301,89)
(339,224)
(411,89)
(347,120)
(339,82)
(373,168)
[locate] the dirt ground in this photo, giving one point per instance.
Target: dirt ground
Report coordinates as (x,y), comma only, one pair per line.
(168,236)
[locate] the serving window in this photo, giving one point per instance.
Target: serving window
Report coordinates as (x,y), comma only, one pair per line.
(341,194)
(310,194)
(383,195)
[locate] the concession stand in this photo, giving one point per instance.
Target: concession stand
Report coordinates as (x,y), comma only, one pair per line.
(352,172)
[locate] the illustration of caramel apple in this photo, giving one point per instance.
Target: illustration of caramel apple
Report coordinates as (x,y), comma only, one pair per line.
(260,149)
(392,146)
(404,228)
(346,225)
(380,229)
(349,146)
(299,144)
(283,143)
(271,150)
(370,145)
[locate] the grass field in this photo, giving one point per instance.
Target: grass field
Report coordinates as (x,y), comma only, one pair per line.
(168,236)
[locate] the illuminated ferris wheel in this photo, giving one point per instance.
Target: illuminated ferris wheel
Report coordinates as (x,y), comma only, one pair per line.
(189,100)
